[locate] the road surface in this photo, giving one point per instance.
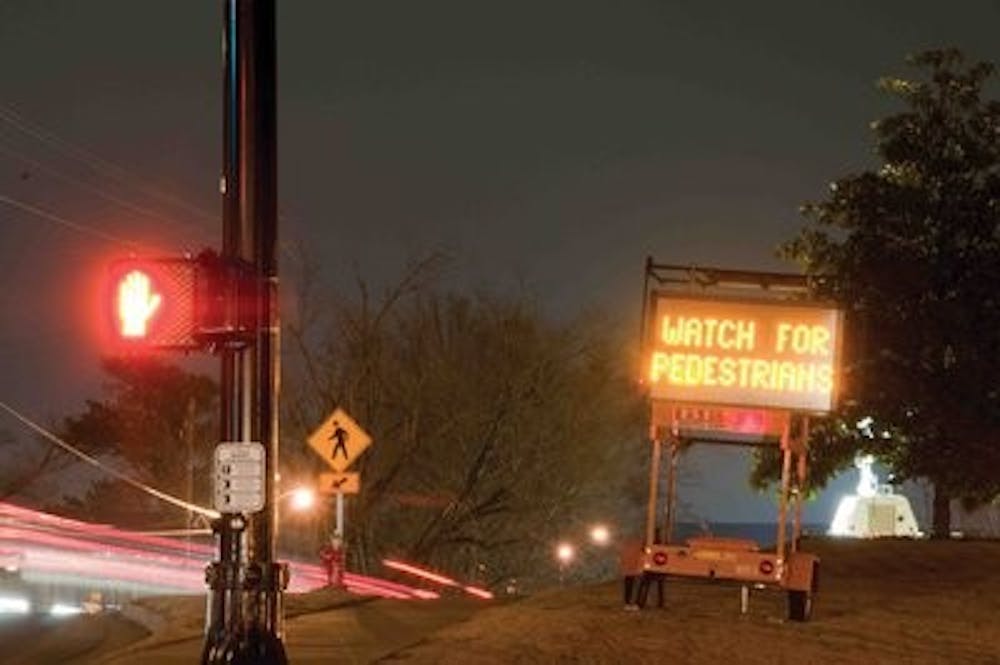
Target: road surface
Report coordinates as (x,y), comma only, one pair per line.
(43,640)
(358,633)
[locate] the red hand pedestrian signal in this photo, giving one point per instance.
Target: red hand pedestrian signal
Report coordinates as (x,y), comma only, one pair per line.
(137,304)
(152,304)
(179,303)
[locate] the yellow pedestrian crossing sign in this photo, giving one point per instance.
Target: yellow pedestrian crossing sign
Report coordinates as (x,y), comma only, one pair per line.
(339,440)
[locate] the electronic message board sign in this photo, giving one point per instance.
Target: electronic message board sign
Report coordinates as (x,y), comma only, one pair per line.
(718,424)
(767,354)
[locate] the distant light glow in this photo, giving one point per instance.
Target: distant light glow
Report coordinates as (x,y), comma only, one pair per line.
(303,498)
(50,549)
(565,553)
(366,589)
(478,592)
(426,594)
(600,535)
(14,605)
(371,585)
(874,510)
(419,572)
(64,610)
(435,577)
(867,480)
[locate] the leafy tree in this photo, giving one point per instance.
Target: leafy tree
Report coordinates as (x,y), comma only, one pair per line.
(157,422)
(912,251)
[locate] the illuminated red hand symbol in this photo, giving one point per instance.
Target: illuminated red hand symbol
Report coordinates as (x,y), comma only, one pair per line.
(136,304)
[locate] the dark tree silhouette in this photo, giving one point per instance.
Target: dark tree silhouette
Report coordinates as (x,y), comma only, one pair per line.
(912,250)
(157,422)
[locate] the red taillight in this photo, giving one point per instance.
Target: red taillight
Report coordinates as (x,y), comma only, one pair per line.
(660,558)
(766,568)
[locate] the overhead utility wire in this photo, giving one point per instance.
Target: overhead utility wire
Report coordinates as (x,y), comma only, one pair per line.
(97,191)
(62,221)
(110,169)
(96,162)
(93,461)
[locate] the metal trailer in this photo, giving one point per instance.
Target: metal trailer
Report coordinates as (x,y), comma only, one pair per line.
(674,428)
(736,559)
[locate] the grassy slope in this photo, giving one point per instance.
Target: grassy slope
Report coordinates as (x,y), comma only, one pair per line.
(880,602)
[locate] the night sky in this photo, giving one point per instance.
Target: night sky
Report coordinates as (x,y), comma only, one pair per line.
(548,145)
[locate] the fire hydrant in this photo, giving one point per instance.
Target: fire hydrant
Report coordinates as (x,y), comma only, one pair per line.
(332,556)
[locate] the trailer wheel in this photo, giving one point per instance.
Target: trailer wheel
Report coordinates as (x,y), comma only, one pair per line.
(800,605)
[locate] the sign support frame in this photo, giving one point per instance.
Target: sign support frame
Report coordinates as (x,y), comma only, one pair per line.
(731,559)
(339,529)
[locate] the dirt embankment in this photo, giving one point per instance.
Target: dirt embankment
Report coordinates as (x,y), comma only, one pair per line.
(891,602)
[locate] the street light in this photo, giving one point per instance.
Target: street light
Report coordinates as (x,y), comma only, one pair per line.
(564,555)
(300,499)
(303,498)
(600,535)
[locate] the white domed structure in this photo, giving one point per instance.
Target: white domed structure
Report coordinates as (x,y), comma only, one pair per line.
(875,511)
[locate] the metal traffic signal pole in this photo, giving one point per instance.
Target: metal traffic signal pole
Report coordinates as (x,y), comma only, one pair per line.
(245,613)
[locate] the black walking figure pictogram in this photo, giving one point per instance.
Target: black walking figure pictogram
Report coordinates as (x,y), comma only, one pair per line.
(340,436)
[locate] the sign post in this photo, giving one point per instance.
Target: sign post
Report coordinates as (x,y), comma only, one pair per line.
(245,609)
(339,528)
(227,303)
(339,441)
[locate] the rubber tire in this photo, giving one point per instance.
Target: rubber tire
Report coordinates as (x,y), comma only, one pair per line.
(800,605)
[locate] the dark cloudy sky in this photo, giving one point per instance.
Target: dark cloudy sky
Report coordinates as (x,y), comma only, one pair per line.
(546,143)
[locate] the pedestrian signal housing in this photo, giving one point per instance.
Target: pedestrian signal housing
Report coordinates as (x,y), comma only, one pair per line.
(180,303)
